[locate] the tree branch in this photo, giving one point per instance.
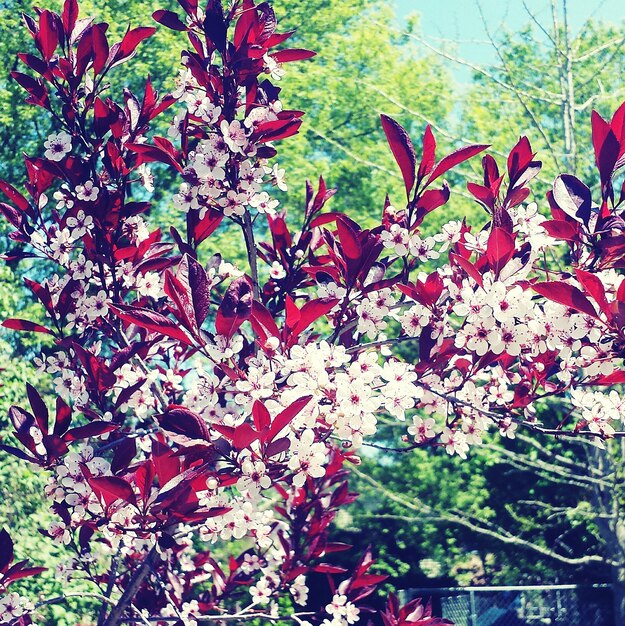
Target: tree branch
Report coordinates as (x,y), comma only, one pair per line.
(478,526)
(138,577)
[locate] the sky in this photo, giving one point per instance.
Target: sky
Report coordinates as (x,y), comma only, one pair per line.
(460,20)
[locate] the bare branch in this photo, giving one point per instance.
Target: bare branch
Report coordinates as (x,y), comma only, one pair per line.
(550,471)
(479,526)
(352,155)
(521,95)
(127,597)
(536,21)
(549,97)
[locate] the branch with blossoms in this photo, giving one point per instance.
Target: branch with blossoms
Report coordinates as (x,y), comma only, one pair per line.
(203,409)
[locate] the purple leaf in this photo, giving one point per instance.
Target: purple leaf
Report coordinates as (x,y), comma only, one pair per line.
(402,149)
(455,158)
(573,197)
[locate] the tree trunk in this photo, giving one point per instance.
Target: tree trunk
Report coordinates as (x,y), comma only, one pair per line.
(610,518)
(618,593)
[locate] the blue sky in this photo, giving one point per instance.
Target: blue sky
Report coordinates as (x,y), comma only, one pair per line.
(459,20)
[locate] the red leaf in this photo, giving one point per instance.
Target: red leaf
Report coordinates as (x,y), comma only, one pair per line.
(262,418)
(593,285)
(166,464)
(617,125)
(284,418)
(311,312)
(181,296)
(144,477)
(48,35)
(179,419)
(277,129)
(109,489)
(94,429)
(291,312)
(325,218)
(190,272)
(292,54)
(70,15)
(125,452)
(565,294)
(402,149)
(455,158)
(615,378)
(561,229)
(23,572)
(326,568)
(606,146)
(169,19)
(63,417)
(6,550)
(38,95)
(428,157)
(226,431)
(367,581)
(205,227)
(349,240)
(40,410)
(152,321)
(263,323)
(468,267)
(14,195)
(235,307)
(573,197)
(244,435)
(149,153)
(25,325)
(500,248)
(13,215)
(431,199)
(132,39)
(519,159)
(100,47)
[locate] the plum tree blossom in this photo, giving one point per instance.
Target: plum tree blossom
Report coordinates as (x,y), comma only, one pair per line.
(57,146)
(200,407)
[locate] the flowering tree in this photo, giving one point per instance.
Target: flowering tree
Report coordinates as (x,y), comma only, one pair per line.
(205,414)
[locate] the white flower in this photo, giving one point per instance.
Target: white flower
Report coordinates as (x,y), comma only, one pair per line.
(455,442)
(81,268)
(234,135)
(397,239)
(299,590)
(507,428)
(233,203)
(277,271)
(58,145)
(61,246)
(87,192)
(79,224)
(176,126)
(149,285)
(254,477)
(422,429)
(263,203)
(147,179)
(59,532)
(277,175)
(308,458)
(273,68)
(186,198)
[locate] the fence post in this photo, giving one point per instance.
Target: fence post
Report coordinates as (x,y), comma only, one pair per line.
(472,607)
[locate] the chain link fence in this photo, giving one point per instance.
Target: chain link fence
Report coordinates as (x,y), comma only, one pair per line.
(573,605)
